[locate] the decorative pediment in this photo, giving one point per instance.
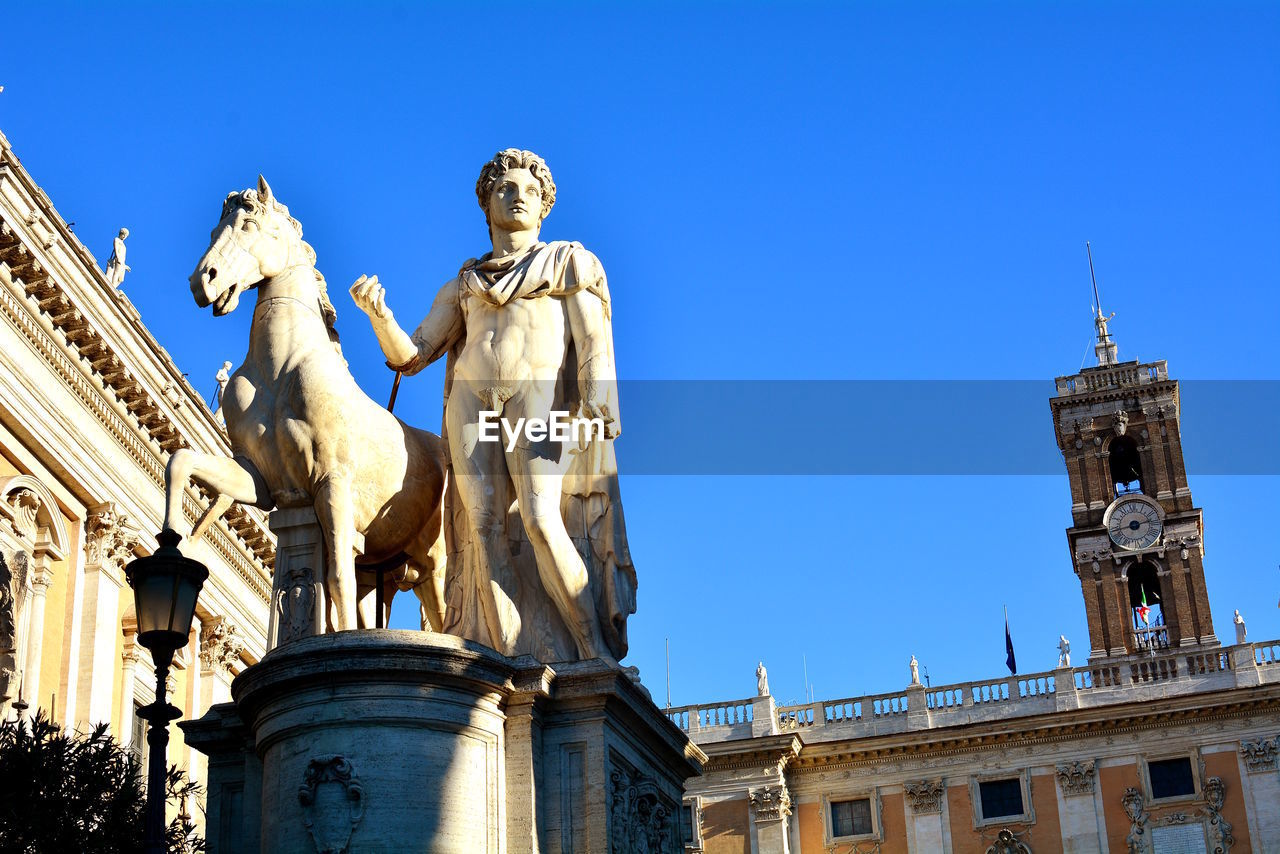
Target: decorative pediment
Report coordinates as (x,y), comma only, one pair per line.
(31,512)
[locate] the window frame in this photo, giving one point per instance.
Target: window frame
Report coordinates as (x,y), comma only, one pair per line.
(694,803)
(1197,777)
(1023,776)
(872,796)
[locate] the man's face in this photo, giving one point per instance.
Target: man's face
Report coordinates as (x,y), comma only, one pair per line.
(515,202)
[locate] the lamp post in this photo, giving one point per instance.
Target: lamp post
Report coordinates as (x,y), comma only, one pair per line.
(165,587)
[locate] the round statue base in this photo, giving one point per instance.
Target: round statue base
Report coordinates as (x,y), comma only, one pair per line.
(397,741)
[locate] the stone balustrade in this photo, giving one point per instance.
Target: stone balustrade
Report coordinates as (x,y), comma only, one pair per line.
(717,721)
(1113,376)
(1100,683)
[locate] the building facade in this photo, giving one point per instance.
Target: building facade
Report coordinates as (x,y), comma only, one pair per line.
(1165,742)
(91,406)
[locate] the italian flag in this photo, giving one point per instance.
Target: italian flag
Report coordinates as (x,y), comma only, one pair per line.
(1144,612)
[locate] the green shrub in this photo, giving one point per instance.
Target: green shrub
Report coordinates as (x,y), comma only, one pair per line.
(79,792)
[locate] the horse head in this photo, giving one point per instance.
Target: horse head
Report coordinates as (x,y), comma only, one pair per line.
(255,240)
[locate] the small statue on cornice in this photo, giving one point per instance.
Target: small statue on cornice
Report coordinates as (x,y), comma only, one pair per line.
(116,267)
(1241,631)
(762,680)
(1064,651)
(915,671)
(223,377)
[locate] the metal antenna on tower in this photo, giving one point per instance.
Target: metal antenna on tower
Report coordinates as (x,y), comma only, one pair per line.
(1097,302)
(1104,347)
(668,673)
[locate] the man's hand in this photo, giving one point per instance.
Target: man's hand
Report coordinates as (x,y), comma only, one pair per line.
(371,297)
(612,429)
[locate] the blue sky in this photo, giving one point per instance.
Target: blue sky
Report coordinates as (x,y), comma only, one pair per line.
(778,192)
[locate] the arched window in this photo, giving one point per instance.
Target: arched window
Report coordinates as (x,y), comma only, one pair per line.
(1147,609)
(1126,466)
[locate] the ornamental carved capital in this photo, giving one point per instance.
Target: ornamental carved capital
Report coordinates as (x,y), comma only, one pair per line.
(220,645)
(1259,755)
(1076,778)
(925,796)
(109,536)
(770,803)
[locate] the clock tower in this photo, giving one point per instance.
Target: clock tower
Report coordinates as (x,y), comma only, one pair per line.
(1136,535)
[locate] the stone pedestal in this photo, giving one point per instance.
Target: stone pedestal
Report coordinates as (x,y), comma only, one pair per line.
(298,601)
(399,741)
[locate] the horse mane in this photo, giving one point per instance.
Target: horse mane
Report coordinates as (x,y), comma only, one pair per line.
(251,201)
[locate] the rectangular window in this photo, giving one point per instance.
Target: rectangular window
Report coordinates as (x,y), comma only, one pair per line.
(686,822)
(1171,778)
(1001,798)
(851,818)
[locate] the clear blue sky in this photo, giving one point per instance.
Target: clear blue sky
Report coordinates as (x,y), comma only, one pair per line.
(784,192)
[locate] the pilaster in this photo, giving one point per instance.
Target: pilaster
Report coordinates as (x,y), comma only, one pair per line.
(108,540)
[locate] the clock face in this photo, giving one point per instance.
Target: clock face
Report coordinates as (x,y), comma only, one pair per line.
(1134,524)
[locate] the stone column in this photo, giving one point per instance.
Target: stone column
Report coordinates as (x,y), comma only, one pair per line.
(924,797)
(108,541)
(40,582)
(1077,814)
(128,677)
(770,811)
(523,730)
(220,648)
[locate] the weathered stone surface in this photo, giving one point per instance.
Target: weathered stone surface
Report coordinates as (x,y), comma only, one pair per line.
(405,741)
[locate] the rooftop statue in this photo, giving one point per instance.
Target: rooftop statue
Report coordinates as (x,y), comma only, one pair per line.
(526,329)
(116,267)
(302,432)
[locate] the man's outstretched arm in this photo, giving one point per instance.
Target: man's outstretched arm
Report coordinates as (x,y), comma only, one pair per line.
(429,342)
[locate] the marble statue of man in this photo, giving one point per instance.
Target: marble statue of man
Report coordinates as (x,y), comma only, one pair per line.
(527,332)
(1241,631)
(1064,651)
(116,267)
(223,376)
(762,681)
(915,671)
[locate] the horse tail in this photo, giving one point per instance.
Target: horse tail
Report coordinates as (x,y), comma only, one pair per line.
(212,513)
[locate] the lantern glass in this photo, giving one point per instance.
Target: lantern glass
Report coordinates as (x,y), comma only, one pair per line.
(165,588)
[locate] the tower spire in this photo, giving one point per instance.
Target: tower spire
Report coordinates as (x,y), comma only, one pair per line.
(1105,347)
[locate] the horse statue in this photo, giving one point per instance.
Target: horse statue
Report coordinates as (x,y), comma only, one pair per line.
(302,432)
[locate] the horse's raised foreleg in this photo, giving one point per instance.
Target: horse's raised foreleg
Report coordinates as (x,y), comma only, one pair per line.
(336,514)
(232,479)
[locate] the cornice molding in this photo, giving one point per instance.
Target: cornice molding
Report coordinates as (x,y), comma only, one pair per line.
(39,309)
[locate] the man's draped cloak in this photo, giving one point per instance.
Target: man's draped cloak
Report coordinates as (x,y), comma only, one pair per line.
(590,504)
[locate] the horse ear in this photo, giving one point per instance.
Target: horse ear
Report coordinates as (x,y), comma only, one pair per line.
(264,189)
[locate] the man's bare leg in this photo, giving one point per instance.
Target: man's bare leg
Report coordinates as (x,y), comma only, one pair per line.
(539,485)
(479,476)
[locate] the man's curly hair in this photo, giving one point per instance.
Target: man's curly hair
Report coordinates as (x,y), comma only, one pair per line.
(514,158)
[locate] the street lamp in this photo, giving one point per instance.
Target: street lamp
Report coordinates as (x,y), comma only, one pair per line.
(165,586)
